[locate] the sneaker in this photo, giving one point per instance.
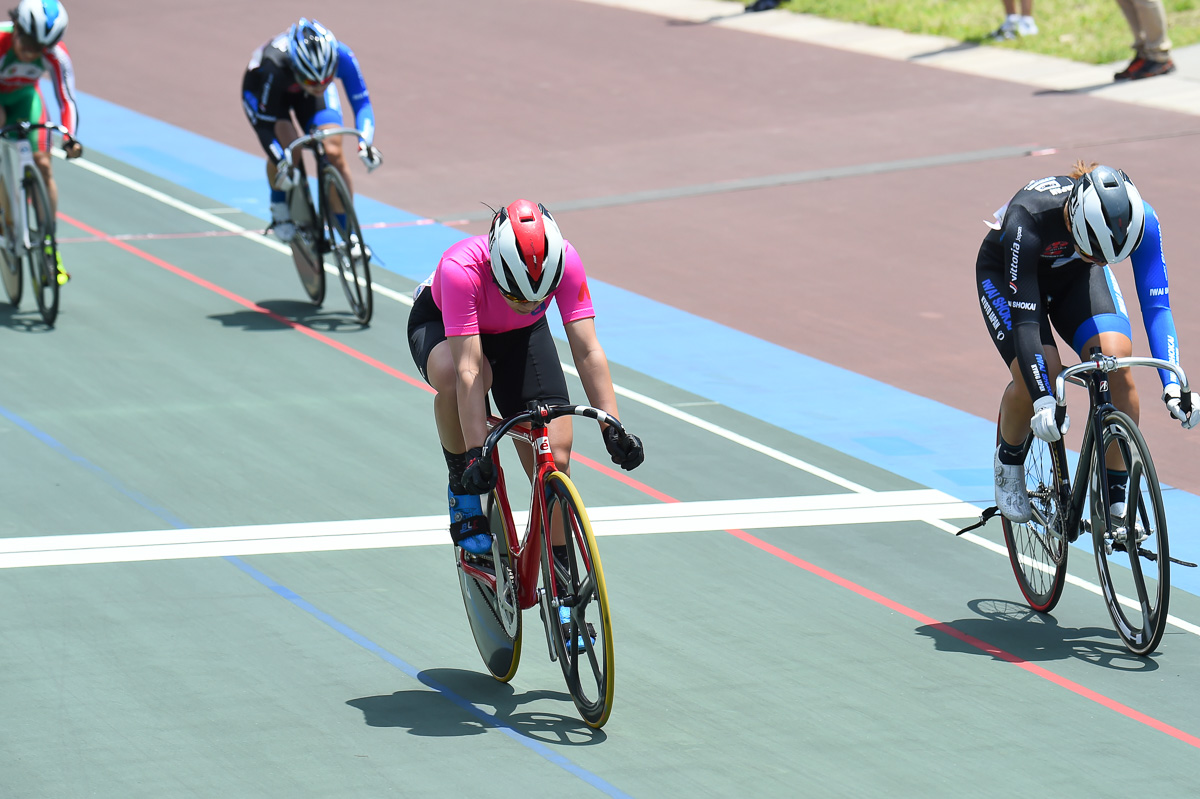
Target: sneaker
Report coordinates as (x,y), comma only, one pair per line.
(1011,497)
(1150,69)
(1026,27)
(1007,29)
(281,222)
(564,622)
(468,525)
(1134,66)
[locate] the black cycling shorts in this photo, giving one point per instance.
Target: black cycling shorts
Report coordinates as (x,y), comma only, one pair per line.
(1080,299)
(525,365)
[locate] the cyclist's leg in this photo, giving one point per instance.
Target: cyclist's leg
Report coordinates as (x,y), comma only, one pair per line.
(432,355)
(1091,314)
(328,114)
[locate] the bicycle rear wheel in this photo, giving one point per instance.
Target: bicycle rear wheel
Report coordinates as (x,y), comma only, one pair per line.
(584,645)
(1132,555)
(494,613)
(1038,548)
(42,255)
(310,266)
(349,249)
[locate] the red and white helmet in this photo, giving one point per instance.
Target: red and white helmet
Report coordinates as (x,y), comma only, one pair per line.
(527,251)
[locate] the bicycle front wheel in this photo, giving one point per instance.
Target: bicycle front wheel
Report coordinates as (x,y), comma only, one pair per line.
(1038,548)
(573,579)
(42,255)
(346,242)
(494,612)
(1131,548)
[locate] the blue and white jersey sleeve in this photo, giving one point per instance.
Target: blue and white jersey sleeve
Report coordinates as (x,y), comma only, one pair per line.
(1154,294)
(355,85)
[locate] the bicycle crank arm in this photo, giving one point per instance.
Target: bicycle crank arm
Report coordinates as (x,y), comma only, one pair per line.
(547,615)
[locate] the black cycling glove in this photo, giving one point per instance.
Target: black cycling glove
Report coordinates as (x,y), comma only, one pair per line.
(625,449)
(480,475)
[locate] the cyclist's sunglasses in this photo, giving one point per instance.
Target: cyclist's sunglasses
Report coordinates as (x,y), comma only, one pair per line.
(316,84)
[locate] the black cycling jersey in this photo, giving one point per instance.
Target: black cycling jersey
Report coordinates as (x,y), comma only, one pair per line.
(270,92)
(1016,264)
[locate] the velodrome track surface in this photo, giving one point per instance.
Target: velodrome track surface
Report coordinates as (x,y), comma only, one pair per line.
(834,650)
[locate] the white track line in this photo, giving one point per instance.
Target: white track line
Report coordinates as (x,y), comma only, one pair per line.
(662,407)
(680,517)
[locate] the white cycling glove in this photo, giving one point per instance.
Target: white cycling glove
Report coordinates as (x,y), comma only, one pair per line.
(1043,424)
(285,178)
(1171,396)
(371,157)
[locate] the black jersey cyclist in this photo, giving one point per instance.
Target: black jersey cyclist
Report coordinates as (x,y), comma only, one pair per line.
(293,73)
(1047,263)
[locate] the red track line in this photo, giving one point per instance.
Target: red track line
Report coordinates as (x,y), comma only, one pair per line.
(229,295)
(770,549)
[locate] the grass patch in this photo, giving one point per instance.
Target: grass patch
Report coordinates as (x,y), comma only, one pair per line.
(1092,31)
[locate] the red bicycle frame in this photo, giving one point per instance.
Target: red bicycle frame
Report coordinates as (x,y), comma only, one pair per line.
(525,553)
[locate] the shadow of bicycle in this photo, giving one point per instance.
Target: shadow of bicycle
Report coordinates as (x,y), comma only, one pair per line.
(1034,637)
(457,705)
(27,321)
(304,313)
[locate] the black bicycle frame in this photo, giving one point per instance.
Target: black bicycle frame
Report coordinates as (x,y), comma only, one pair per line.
(1073,499)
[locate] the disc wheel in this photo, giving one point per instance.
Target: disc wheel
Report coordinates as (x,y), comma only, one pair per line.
(573,579)
(1037,549)
(42,256)
(494,612)
(309,264)
(1132,555)
(346,243)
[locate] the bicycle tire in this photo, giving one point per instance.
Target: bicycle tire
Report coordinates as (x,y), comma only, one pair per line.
(494,615)
(1038,549)
(12,273)
(42,255)
(1148,577)
(579,584)
(351,261)
(310,266)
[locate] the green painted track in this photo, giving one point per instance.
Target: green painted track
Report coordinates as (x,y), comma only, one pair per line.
(802,660)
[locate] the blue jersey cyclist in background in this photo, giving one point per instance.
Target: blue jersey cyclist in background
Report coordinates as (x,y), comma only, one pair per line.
(30,46)
(1046,263)
(294,73)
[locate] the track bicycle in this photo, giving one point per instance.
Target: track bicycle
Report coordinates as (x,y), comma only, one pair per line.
(1131,548)
(27,234)
(319,231)
(496,587)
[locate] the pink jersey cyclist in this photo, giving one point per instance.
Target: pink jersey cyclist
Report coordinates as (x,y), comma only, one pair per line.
(479,326)
(465,292)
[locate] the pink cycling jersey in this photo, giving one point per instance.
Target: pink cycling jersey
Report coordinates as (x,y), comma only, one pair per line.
(471,302)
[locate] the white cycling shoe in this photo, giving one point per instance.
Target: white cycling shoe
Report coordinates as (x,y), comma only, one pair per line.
(1011,497)
(281,222)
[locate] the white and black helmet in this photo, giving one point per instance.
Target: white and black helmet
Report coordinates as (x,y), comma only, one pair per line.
(44,21)
(527,251)
(313,51)
(1107,215)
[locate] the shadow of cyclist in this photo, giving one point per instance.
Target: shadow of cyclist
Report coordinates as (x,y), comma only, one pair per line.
(303,313)
(443,711)
(1034,637)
